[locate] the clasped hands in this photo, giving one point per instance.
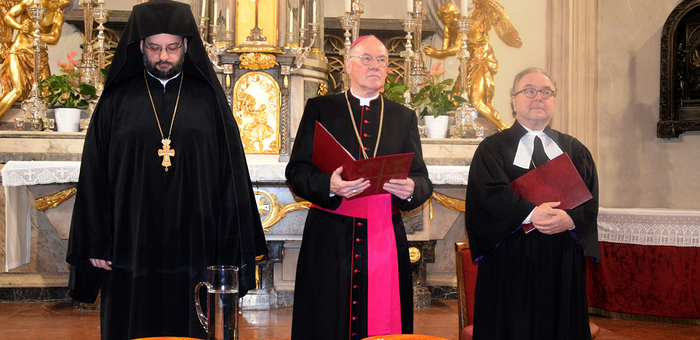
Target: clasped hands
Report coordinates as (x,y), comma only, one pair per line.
(549,220)
(401,188)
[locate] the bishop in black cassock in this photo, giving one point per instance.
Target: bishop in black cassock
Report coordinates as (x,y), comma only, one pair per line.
(158,229)
(529,286)
(334,279)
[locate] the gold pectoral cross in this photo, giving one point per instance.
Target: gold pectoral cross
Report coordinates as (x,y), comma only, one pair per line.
(166,153)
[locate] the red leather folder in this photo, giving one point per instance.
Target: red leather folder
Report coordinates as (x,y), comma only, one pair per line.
(554,181)
(328,155)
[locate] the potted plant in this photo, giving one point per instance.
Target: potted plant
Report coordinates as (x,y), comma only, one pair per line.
(68,93)
(437,99)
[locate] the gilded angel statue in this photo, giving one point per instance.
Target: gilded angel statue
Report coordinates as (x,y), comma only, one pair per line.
(482,64)
(17,71)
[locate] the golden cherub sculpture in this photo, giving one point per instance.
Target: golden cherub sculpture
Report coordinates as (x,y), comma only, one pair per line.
(17,71)
(482,64)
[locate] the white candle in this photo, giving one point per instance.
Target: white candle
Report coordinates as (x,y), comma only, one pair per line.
(37,2)
(291,21)
(204,8)
(409,5)
(348,6)
(215,16)
(313,19)
(228,18)
(301,22)
(465,8)
(102,2)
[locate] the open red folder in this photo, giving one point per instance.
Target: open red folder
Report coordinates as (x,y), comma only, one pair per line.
(328,155)
(554,181)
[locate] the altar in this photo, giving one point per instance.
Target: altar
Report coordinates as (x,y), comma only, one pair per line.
(21,179)
(650,265)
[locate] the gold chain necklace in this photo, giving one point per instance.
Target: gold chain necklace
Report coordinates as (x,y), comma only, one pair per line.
(357,133)
(166,152)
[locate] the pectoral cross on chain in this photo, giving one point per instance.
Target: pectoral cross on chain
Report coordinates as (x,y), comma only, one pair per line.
(166,153)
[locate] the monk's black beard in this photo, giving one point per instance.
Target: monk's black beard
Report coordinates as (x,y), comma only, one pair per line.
(151,67)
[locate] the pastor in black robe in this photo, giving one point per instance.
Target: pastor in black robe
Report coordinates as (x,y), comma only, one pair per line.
(326,304)
(160,229)
(529,286)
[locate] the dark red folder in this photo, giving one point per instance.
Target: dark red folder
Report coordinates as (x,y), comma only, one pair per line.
(328,155)
(554,181)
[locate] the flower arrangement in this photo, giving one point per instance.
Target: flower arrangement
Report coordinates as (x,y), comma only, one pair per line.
(394,90)
(436,96)
(66,89)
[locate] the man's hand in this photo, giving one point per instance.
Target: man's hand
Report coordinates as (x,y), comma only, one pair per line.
(347,189)
(106,265)
(401,188)
(549,220)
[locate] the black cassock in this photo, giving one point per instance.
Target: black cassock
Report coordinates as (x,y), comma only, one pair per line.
(160,229)
(326,304)
(529,286)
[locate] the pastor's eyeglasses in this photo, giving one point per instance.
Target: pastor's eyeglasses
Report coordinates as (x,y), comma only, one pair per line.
(531,92)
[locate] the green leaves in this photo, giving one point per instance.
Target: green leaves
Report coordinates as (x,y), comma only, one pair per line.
(67,90)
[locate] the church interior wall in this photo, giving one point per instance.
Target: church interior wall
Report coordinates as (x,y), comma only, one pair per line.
(636,169)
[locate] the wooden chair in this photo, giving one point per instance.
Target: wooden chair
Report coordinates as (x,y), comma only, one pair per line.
(466,287)
(404,336)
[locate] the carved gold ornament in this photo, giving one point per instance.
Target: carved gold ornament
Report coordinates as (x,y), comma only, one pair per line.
(447,201)
(322,89)
(271,211)
(52,201)
(256,108)
(258,61)
(414,254)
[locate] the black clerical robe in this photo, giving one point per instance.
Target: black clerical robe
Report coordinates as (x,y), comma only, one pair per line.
(330,294)
(160,229)
(529,286)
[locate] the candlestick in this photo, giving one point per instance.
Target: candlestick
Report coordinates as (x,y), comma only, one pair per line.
(465,8)
(409,5)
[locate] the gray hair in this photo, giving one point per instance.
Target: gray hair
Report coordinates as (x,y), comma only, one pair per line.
(523,73)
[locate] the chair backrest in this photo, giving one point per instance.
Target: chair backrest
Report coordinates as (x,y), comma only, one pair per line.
(466,283)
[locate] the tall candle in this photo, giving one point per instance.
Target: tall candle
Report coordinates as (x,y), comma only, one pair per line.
(215,16)
(465,8)
(409,5)
(37,2)
(228,18)
(100,2)
(313,19)
(301,22)
(348,6)
(204,8)
(291,21)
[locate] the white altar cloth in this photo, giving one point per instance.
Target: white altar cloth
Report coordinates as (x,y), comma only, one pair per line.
(18,175)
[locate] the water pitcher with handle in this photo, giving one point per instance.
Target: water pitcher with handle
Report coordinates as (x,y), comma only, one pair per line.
(221,319)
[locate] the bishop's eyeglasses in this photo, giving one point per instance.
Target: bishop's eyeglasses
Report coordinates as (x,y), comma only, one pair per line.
(366,59)
(171,49)
(531,92)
